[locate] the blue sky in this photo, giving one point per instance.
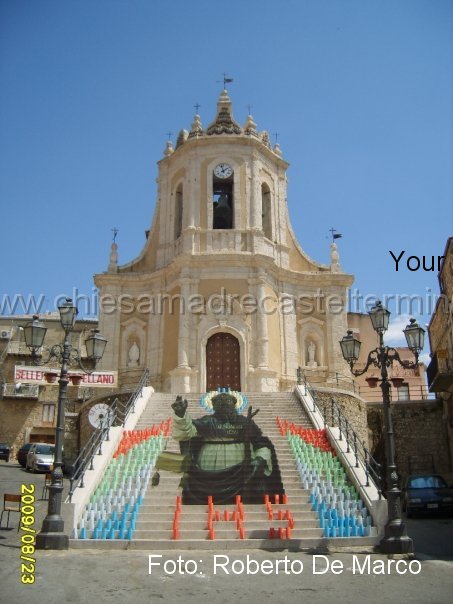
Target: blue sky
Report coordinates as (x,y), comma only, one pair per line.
(360,92)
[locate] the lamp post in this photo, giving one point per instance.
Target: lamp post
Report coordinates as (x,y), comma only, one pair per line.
(395,540)
(52,534)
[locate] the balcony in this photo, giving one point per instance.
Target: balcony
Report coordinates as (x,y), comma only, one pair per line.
(29,391)
(440,373)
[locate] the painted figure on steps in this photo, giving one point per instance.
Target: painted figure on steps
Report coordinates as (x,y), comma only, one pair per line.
(229,454)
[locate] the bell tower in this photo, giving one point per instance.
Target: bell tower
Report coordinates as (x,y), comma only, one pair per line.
(221,233)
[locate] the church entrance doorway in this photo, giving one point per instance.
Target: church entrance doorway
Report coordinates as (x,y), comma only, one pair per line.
(223,362)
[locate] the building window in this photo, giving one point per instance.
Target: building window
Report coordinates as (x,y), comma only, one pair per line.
(223,198)
(266,211)
(48,413)
(403,392)
(178,211)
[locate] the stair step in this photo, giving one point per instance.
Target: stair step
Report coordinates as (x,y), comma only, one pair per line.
(221,534)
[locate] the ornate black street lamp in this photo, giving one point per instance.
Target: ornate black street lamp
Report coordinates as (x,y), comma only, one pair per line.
(395,540)
(52,534)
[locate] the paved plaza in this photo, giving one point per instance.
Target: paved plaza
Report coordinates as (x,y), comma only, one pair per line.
(85,576)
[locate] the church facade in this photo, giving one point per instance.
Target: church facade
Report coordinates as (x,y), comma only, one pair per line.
(222,294)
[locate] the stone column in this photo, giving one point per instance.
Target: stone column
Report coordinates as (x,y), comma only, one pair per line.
(182,374)
(110,325)
(183,334)
(290,344)
(255,197)
(336,323)
(262,338)
(155,344)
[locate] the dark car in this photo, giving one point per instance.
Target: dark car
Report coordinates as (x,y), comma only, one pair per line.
(21,455)
(427,493)
(4,451)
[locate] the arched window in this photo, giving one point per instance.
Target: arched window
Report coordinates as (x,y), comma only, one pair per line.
(223,197)
(178,211)
(266,210)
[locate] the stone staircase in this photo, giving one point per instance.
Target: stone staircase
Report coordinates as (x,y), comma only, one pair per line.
(154,528)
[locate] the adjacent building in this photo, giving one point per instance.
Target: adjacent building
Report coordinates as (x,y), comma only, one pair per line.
(440,370)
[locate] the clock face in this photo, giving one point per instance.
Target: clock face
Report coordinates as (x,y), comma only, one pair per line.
(223,171)
(98,415)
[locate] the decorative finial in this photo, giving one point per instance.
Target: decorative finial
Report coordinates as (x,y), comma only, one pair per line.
(224,122)
(277,150)
(113,260)
(250,127)
(168,149)
(334,259)
(182,137)
(265,139)
(196,129)
(197,107)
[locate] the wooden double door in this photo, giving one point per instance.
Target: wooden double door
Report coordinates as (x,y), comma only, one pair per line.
(223,362)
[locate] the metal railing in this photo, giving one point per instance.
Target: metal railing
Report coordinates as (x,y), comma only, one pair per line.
(117,416)
(333,416)
(371,394)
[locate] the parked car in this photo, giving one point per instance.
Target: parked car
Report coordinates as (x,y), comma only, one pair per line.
(40,457)
(5,450)
(21,455)
(427,492)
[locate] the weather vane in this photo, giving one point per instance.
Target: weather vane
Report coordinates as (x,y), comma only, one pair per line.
(226,80)
(335,234)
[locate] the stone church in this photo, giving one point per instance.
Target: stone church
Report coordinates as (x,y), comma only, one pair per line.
(222,294)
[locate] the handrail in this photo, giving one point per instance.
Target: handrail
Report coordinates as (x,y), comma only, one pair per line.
(338,419)
(326,379)
(118,415)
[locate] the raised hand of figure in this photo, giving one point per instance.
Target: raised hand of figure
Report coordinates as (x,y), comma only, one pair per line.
(250,414)
(180,406)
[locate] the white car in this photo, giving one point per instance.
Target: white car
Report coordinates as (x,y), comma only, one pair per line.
(40,457)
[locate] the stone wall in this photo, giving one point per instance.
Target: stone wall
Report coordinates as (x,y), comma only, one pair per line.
(420,436)
(353,408)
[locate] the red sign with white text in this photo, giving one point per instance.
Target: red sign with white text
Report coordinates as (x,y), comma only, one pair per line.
(40,375)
